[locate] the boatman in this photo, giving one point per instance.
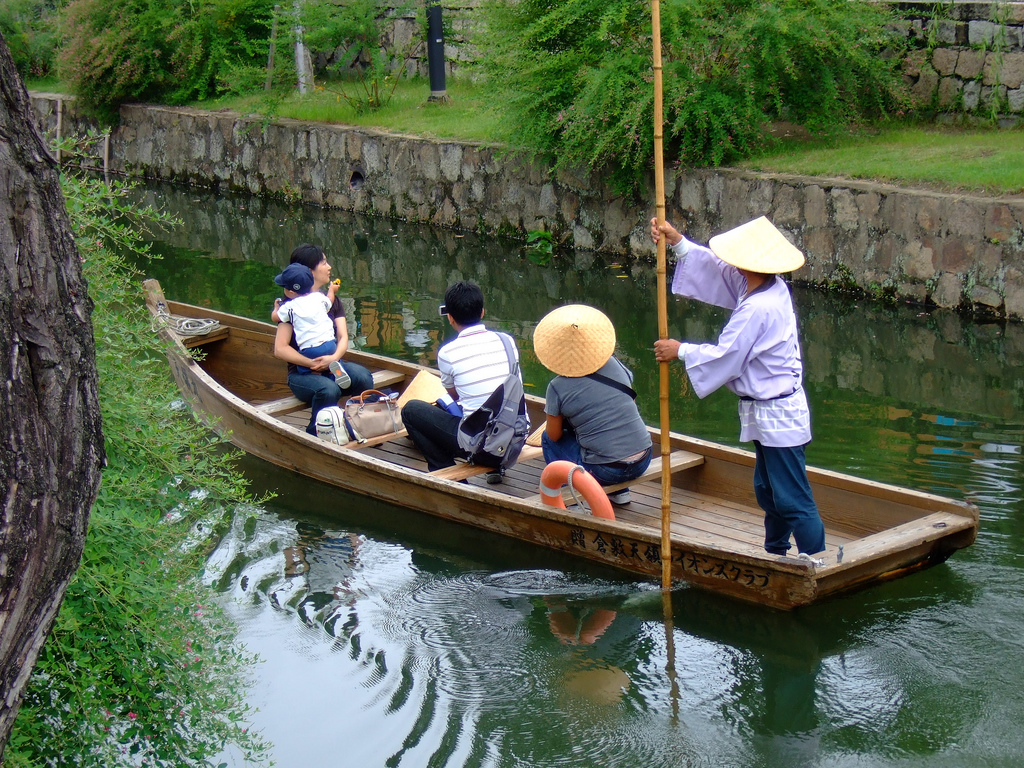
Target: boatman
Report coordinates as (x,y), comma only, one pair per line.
(757,356)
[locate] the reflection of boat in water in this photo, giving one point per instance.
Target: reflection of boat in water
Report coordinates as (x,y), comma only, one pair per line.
(874,532)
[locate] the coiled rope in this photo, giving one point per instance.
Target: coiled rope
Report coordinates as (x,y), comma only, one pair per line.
(186,326)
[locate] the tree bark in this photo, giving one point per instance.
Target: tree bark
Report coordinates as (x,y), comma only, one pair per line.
(51,445)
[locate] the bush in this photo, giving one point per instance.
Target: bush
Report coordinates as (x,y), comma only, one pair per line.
(165,50)
(139,668)
(29,27)
(577,75)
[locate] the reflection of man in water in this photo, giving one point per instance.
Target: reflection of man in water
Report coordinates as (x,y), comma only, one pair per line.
(327,561)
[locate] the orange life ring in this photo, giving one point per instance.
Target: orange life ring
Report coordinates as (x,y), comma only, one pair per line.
(558,473)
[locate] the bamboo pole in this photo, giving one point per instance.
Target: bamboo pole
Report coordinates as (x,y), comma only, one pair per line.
(666,443)
(659,198)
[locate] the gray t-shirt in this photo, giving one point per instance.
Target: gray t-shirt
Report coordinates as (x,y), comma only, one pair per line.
(606,420)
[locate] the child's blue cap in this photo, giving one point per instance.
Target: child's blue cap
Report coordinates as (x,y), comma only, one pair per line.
(295,277)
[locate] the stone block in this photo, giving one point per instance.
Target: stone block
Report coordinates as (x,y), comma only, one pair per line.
(986,297)
(972,95)
(948,292)
(819,245)
(547,204)
(981,32)
(949,90)
(787,206)
(450,160)
(883,256)
(734,202)
(690,194)
(923,91)
(845,212)
(945,31)
(428,157)
(869,203)
(964,217)
(713,186)
(1013,287)
(569,206)
(759,200)
(581,237)
(1012,73)
(1015,100)
(999,224)
(929,217)
(815,206)
(969,64)
(919,260)
(957,255)
(944,61)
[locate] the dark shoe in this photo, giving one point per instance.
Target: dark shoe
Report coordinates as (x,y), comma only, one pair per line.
(494,477)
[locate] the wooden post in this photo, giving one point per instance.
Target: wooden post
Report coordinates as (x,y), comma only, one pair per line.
(301,55)
(60,118)
(273,45)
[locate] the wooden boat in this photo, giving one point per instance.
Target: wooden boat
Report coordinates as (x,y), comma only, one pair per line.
(874,532)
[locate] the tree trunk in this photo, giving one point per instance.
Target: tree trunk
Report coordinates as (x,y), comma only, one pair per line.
(51,446)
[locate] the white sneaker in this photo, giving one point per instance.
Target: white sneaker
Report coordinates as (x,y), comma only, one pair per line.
(620,497)
(341,377)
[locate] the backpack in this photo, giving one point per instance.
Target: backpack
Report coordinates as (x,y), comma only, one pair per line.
(494,434)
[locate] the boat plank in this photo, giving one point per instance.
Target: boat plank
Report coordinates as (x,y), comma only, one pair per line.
(463,471)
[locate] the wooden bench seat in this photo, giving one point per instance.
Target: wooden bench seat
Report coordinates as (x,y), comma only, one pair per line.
(290,404)
(191,342)
(678,460)
(465,471)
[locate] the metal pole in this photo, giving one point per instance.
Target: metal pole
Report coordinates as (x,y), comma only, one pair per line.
(435,53)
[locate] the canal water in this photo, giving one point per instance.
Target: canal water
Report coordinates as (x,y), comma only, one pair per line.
(388,638)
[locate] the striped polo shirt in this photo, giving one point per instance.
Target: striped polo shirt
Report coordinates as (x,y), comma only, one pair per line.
(474,363)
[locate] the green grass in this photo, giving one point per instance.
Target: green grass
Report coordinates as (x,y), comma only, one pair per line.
(469,115)
(975,160)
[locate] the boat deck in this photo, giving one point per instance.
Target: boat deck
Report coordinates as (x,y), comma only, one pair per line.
(695,516)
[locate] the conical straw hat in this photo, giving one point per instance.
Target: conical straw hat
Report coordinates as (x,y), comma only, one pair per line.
(574,340)
(757,246)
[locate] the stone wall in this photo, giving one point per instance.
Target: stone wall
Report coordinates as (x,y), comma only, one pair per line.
(969,58)
(956,251)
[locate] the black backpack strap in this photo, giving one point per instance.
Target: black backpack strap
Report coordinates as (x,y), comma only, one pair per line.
(613,383)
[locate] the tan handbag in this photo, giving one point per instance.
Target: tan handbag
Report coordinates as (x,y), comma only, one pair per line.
(365,419)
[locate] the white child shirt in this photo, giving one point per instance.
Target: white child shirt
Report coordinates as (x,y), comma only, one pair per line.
(308,315)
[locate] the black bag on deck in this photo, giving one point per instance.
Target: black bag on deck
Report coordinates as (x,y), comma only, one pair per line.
(494,434)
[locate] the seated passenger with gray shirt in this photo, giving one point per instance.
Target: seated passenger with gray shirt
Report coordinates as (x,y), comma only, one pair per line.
(592,418)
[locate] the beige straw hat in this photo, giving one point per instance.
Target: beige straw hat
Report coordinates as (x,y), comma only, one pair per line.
(574,340)
(757,246)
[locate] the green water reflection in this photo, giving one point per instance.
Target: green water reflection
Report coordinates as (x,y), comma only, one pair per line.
(391,640)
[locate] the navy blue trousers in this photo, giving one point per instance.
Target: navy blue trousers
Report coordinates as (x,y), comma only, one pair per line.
(784,493)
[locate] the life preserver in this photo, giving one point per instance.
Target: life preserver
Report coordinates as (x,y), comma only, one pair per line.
(558,473)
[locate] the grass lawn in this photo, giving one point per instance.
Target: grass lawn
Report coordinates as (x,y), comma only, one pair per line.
(971,160)
(469,114)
